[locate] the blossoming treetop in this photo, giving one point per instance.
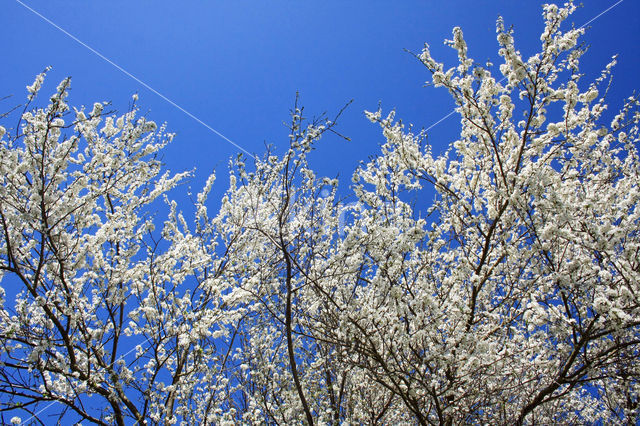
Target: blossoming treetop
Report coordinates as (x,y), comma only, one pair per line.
(516,301)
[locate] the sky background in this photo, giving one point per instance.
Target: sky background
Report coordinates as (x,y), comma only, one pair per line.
(237,64)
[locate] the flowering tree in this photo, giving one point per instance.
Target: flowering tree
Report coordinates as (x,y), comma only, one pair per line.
(517,300)
(99,313)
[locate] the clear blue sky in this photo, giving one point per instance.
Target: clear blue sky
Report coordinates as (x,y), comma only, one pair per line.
(238,64)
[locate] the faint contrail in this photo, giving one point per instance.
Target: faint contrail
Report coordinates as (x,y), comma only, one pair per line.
(136,79)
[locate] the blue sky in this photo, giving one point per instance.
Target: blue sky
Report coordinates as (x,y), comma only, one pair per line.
(237,65)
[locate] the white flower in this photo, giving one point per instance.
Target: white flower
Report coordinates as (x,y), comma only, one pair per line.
(35,87)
